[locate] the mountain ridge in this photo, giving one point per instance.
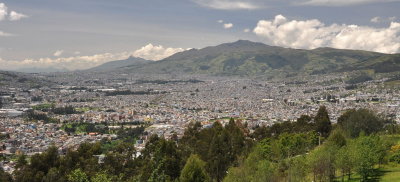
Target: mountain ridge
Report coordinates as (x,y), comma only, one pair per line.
(246,58)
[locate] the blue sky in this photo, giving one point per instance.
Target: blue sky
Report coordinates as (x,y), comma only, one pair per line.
(85,33)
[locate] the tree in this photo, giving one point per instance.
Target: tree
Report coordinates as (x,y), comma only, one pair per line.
(368,152)
(194,170)
(321,162)
(21,161)
(337,138)
(5,176)
(356,121)
(256,168)
(297,170)
(101,177)
(322,122)
(160,160)
(52,176)
(345,161)
(78,175)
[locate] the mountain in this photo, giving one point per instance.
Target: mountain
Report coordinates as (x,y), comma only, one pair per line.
(248,58)
(120,63)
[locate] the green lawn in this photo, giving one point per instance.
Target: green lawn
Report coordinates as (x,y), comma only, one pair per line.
(391,173)
(387,173)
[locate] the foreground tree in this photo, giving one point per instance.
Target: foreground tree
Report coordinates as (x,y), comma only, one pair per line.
(322,122)
(254,168)
(194,170)
(321,162)
(356,121)
(367,153)
(78,175)
(345,161)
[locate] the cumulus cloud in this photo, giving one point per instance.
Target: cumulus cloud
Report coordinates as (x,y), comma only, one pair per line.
(3,11)
(220,21)
(309,34)
(152,52)
(375,19)
(228,25)
(228,4)
(342,2)
(58,53)
(246,30)
(14,16)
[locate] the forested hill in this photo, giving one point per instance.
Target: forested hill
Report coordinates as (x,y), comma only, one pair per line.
(248,58)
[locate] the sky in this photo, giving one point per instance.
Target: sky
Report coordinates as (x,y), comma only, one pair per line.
(79,34)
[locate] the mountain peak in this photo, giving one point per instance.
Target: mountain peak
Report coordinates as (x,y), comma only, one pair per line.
(245,43)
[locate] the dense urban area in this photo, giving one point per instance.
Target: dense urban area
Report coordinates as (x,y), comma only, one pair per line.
(60,112)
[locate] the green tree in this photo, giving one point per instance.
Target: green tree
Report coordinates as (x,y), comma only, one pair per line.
(78,175)
(367,153)
(194,170)
(21,161)
(101,177)
(322,122)
(255,168)
(337,138)
(321,162)
(362,120)
(297,170)
(52,176)
(345,161)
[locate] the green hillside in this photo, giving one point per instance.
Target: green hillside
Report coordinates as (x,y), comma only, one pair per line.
(248,58)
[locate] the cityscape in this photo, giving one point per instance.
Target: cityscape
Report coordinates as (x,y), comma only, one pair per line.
(200,91)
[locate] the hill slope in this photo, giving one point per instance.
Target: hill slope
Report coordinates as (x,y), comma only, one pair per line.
(248,58)
(119,64)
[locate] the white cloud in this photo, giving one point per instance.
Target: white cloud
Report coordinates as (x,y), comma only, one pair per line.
(14,16)
(3,11)
(309,34)
(77,52)
(375,19)
(228,25)
(5,34)
(85,62)
(220,21)
(246,30)
(228,4)
(58,53)
(152,52)
(69,63)
(342,2)
(260,4)
(383,19)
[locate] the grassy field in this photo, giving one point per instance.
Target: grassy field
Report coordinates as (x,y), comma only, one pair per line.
(387,173)
(390,174)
